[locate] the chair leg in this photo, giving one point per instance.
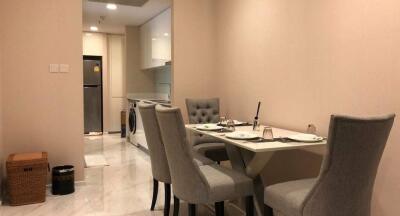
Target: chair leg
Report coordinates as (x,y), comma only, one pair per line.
(249,206)
(192,209)
(167,201)
(268,211)
(219,208)
(155,193)
(176,206)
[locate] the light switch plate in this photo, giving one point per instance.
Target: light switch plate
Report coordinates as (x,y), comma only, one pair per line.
(54,68)
(64,68)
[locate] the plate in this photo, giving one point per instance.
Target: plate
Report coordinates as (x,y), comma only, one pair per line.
(241,135)
(209,127)
(236,122)
(306,137)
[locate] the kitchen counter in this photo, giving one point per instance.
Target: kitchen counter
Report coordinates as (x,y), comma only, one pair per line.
(155,97)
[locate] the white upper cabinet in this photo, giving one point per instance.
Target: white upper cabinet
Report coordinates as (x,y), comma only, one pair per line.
(155,41)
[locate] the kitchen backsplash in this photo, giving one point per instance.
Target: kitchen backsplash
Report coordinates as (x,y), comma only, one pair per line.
(163,80)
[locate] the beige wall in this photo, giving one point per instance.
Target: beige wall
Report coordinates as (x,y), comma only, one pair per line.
(137,81)
(304,60)
(43,111)
(308,59)
(1,111)
(192,53)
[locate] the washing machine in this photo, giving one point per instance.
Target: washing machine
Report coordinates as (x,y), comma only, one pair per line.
(136,135)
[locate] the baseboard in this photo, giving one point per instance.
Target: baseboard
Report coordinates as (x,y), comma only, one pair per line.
(76,183)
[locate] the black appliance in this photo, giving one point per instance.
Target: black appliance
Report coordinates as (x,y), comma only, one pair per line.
(93,94)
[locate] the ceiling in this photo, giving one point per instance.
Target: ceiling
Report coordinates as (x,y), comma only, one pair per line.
(114,21)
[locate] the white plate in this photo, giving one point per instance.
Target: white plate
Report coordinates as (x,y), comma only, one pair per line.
(236,122)
(241,135)
(209,127)
(306,137)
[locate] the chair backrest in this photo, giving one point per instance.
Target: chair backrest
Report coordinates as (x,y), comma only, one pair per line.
(203,111)
(188,182)
(344,186)
(159,164)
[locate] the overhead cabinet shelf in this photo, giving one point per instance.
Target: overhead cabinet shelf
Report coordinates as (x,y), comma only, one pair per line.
(155,41)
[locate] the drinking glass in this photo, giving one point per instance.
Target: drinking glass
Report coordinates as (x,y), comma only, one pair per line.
(230,125)
(222,120)
(311,129)
(268,134)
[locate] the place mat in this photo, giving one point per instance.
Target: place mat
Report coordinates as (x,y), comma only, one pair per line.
(280,139)
(240,125)
(244,124)
(261,140)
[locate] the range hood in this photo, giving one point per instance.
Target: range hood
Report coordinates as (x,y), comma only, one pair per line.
(135,3)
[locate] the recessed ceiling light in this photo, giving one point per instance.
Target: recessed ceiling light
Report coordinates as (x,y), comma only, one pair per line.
(166,34)
(94,28)
(111,6)
(154,39)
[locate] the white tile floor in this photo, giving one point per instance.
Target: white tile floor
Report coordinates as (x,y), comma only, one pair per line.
(123,188)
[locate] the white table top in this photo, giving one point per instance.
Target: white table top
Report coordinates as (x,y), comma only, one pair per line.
(261,146)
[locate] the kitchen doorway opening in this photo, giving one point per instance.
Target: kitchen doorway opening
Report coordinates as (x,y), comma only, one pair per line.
(93,94)
(135,43)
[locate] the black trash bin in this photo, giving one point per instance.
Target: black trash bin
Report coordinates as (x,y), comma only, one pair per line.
(63,180)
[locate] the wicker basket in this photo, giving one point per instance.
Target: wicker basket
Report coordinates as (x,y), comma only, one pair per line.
(27,177)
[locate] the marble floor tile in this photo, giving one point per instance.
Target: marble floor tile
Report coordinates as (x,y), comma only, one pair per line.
(123,188)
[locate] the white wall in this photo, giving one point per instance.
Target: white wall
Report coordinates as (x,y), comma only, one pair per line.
(116,52)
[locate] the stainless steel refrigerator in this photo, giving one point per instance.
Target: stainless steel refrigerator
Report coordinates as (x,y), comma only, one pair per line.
(93,94)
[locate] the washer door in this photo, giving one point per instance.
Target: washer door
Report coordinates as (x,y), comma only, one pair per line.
(132,120)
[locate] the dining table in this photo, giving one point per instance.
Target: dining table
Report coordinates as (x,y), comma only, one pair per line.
(251,156)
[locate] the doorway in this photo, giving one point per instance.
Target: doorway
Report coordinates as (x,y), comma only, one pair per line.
(93,94)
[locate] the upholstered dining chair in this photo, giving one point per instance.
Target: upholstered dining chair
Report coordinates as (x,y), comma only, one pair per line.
(203,111)
(344,186)
(159,164)
(198,184)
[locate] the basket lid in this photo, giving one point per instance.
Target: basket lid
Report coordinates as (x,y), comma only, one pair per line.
(27,156)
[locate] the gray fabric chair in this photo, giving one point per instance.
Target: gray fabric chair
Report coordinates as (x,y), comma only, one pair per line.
(198,184)
(344,186)
(159,164)
(203,111)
